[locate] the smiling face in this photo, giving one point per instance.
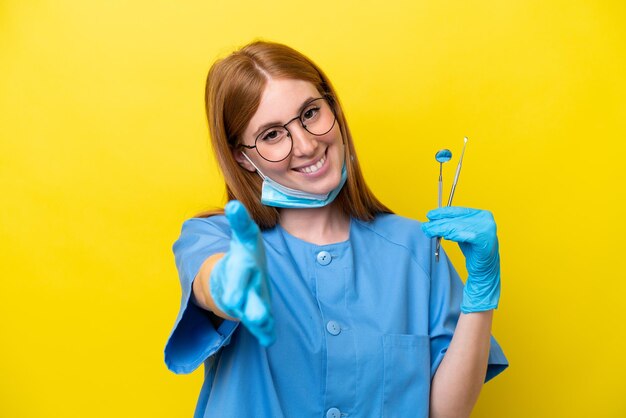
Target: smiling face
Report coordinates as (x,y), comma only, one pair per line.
(315,162)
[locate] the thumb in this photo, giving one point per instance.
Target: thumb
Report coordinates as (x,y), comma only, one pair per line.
(243,227)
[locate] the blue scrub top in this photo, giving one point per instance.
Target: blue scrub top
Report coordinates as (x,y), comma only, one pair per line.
(361,325)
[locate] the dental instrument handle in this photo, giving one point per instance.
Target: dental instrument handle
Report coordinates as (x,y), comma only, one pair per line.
(456,175)
(440,198)
(437,248)
(440,185)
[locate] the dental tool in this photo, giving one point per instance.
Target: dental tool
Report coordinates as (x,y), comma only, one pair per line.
(442,156)
(454,183)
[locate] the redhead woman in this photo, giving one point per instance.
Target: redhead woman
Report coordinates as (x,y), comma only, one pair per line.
(307,297)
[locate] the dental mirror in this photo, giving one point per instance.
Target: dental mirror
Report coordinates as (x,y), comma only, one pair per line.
(454,183)
(442,156)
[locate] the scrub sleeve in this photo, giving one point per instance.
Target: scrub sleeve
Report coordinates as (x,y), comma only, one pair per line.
(444,311)
(194,337)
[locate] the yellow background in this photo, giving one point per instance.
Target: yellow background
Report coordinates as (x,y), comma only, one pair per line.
(104,153)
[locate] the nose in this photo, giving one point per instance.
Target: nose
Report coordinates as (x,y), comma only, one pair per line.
(304,143)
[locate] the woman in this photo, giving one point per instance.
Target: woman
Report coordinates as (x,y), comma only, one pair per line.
(309,298)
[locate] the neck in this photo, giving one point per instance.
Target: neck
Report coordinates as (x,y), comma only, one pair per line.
(320,226)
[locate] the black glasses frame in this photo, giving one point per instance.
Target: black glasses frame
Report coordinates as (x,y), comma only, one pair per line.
(328,100)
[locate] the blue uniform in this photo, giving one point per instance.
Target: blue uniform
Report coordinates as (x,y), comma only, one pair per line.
(361,325)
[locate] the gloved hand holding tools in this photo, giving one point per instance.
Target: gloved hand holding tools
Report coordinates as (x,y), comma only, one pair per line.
(475,231)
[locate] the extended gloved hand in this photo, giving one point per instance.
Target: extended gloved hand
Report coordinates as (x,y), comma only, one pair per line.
(239,284)
(475,231)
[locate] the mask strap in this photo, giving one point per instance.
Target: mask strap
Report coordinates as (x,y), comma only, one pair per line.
(254,165)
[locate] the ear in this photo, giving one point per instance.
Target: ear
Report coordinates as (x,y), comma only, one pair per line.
(238,156)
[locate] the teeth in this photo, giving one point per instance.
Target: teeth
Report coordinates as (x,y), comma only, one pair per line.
(313,168)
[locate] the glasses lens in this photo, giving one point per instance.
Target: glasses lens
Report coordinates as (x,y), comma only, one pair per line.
(274,144)
(317,117)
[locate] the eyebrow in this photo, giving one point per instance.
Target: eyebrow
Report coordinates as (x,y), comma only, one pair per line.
(279,123)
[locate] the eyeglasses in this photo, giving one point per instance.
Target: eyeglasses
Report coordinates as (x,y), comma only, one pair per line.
(275,143)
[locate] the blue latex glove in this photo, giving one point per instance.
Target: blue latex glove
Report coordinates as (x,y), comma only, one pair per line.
(475,231)
(239,284)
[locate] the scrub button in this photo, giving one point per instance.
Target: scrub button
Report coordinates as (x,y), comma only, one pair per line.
(324,258)
(333,328)
(333,413)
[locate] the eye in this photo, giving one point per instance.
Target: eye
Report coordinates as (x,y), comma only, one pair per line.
(272,135)
(310,112)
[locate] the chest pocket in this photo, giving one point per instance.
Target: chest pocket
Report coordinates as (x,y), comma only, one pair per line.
(406,383)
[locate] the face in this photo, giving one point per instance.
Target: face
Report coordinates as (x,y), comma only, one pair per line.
(315,162)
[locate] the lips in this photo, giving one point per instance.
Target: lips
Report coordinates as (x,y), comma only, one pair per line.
(313,167)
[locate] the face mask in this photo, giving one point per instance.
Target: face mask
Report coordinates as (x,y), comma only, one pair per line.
(279,196)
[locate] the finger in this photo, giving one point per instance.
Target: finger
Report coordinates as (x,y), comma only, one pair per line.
(258,318)
(265,334)
(244,229)
(255,311)
(452,231)
(450,212)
